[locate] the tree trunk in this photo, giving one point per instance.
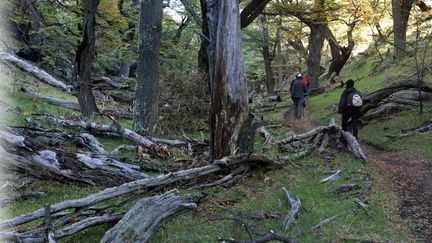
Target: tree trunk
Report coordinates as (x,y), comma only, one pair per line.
(125,68)
(202,54)
(84,61)
(401,11)
(316,42)
(267,56)
(340,54)
(229,96)
(147,88)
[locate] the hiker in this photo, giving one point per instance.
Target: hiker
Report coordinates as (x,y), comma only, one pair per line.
(298,93)
(349,106)
(306,82)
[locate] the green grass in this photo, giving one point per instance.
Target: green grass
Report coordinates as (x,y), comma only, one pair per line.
(253,195)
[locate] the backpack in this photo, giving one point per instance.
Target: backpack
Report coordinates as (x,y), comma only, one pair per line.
(354,99)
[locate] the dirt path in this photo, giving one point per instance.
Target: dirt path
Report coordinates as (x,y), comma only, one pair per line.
(298,125)
(412,180)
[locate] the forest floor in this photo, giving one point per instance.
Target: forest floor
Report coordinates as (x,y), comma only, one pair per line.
(410,178)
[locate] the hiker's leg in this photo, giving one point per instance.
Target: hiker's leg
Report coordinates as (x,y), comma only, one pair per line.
(300,107)
(296,107)
(354,124)
(345,117)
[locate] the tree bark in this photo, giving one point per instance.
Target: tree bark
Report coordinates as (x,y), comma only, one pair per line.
(146,217)
(147,88)
(84,60)
(316,42)
(203,62)
(268,56)
(401,11)
(229,96)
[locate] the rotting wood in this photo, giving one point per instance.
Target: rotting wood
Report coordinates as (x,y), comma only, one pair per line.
(296,209)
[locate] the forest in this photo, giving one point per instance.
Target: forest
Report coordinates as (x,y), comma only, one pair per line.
(216,121)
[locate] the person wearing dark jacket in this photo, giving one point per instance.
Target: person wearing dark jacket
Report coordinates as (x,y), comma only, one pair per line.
(298,92)
(348,110)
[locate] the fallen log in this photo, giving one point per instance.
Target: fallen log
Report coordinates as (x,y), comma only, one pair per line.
(72,105)
(268,138)
(326,221)
(146,217)
(345,188)
(88,140)
(53,101)
(92,126)
(425,127)
(152,182)
(333,177)
(113,128)
(38,73)
(26,155)
(354,145)
(296,209)
(373,100)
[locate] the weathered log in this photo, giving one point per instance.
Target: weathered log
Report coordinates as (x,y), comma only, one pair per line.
(333,177)
(268,138)
(121,148)
(72,105)
(354,145)
(52,101)
(272,236)
(146,217)
(425,127)
(49,230)
(88,140)
(373,100)
(38,73)
(113,128)
(326,221)
(363,205)
(27,155)
(142,184)
(105,80)
(37,235)
(384,110)
(274,98)
(296,209)
(345,188)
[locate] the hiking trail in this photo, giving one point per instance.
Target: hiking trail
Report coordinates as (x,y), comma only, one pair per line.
(409,177)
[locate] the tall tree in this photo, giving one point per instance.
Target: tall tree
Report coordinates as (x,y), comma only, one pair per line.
(268,51)
(229,97)
(401,11)
(84,60)
(145,112)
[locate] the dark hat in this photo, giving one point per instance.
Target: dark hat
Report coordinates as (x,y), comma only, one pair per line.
(349,83)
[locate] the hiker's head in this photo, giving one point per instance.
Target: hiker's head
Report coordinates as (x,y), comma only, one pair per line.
(299,75)
(350,83)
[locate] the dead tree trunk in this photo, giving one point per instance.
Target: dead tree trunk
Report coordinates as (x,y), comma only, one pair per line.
(84,60)
(229,96)
(147,88)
